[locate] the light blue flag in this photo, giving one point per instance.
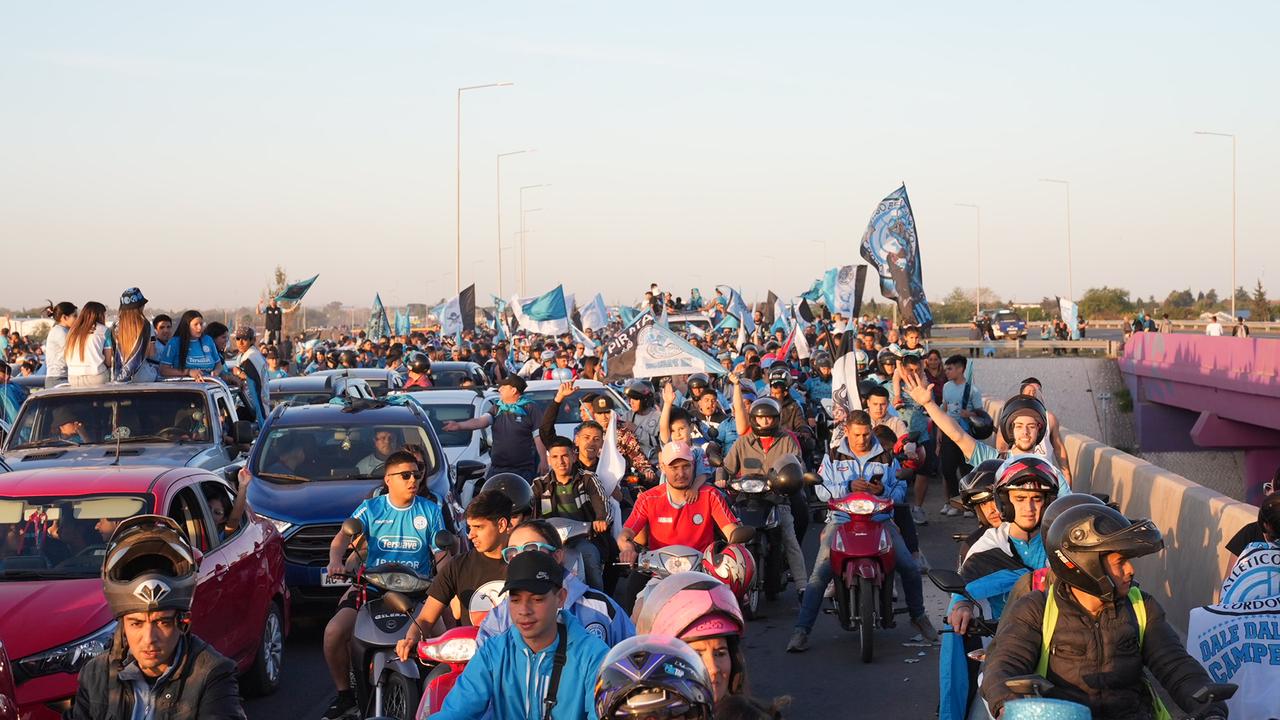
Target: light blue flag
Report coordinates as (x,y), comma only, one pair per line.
(403,326)
(814,292)
(295,291)
(838,289)
(728,323)
(780,317)
(892,246)
(739,308)
(547,314)
(695,299)
(595,316)
(661,352)
(378,324)
(628,313)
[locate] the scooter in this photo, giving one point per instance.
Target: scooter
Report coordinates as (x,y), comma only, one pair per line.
(448,655)
(756,506)
(862,564)
(386,685)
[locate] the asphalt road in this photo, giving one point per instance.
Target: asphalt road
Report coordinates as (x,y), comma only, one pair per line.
(823,682)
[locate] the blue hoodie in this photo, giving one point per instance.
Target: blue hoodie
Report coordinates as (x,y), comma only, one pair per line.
(597,612)
(508,681)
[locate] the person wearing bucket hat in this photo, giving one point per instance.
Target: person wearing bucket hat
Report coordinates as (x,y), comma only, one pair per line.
(155,666)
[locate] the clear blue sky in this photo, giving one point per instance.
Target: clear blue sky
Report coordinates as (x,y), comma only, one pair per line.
(190,147)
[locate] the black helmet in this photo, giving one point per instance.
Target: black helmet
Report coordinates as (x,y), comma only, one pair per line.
(779,374)
(749,347)
(981,425)
(653,676)
(788,475)
(348,358)
(418,362)
(1022,405)
(699,380)
(639,390)
(822,359)
(886,357)
(1064,503)
(1024,472)
(764,407)
(148,566)
(979,485)
(333,357)
(515,488)
(1269,514)
(1081,535)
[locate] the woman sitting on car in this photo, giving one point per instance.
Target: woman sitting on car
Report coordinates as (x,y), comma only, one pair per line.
(191,353)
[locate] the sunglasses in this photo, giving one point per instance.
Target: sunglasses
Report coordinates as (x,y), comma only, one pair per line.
(403,475)
(510,552)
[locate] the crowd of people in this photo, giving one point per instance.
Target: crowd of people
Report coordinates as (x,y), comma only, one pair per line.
(618,641)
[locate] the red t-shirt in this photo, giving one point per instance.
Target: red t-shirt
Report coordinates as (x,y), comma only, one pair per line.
(693,524)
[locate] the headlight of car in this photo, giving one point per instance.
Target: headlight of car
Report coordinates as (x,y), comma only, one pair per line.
(70,657)
(281,525)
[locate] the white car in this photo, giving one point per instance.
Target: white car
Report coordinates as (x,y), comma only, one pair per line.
(466,450)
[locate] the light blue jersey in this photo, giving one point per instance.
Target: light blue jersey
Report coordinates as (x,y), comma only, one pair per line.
(202,354)
(401,535)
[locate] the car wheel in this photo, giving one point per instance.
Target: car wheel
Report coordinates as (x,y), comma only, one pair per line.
(268,666)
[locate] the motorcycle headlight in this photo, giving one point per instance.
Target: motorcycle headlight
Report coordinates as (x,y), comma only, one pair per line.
(457,650)
(70,657)
(678,563)
(398,582)
(752,486)
(858,507)
(281,525)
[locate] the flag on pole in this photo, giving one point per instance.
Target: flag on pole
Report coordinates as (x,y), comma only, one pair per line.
(892,246)
(838,286)
(660,352)
(620,351)
(546,314)
(467,307)
(781,318)
(802,343)
(294,292)
(378,324)
(739,308)
(595,316)
(612,467)
(403,326)
(628,313)
(814,293)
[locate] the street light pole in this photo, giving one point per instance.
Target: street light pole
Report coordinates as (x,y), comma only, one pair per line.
(1233,213)
(499,184)
(523,266)
(524,241)
(1070,290)
(977,294)
(458,175)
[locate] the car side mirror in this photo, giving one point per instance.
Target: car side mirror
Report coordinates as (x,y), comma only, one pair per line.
(714,454)
(352,527)
(445,540)
(243,432)
(742,534)
(470,469)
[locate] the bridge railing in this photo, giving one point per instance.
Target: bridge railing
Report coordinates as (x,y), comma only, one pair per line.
(1110,348)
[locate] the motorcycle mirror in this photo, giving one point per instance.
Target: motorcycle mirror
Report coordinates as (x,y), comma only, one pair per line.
(742,534)
(1029,685)
(822,493)
(445,540)
(397,602)
(812,478)
(948,581)
(352,527)
(713,454)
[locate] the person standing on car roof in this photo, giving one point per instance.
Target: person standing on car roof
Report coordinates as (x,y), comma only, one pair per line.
(515,449)
(274,317)
(156,669)
(64,316)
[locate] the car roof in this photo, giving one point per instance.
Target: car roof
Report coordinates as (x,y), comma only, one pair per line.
(534,385)
(356,372)
(301,383)
(108,388)
(455,365)
(370,413)
(443,397)
(57,481)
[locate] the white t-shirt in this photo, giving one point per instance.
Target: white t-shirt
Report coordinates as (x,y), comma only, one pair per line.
(55,347)
(1213,329)
(90,360)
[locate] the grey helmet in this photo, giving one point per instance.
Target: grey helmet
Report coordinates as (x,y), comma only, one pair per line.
(148,566)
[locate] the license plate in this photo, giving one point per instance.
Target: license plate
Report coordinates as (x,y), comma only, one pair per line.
(337,581)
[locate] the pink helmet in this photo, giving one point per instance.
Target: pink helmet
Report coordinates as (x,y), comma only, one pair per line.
(732,565)
(690,606)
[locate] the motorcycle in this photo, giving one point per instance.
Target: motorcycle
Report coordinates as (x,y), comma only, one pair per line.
(448,655)
(384,684)
(862,564)
(571,531)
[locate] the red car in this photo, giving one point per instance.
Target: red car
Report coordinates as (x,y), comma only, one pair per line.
(53,617)
(8,696)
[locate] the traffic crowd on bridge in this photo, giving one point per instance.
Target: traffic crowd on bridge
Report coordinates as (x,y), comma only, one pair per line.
(860,405)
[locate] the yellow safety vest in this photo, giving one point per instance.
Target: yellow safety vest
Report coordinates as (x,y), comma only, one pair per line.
(1050,622)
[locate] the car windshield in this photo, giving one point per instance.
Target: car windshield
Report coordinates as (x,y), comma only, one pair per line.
(450,378)
(304,453)
(440,414)
(96,418)
(378,386)
(300,398)
(60,537)
(1006,316)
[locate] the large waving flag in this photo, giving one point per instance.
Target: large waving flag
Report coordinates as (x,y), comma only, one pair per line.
(546,314)
(628,313)
(739,308)
(379,326)
(661,352)
(293,293)
(403,326)
(781,317)
(892,247)
(814,293)
(838,290)
(595,316)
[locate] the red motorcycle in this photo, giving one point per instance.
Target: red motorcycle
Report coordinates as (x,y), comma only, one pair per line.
(450,653)
(862,562)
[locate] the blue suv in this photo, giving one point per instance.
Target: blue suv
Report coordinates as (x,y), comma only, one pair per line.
(312,465)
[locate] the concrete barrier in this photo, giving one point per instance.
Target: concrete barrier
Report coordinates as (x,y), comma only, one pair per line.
(1196,522)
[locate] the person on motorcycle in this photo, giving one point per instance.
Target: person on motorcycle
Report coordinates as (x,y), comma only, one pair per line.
(599,614)
(720,427)
(419,366)
(644,416)
(155,667)
(1093,632)
(792,416)
(573,492)
(699,384)
(488,527)
(653,677)
(860,464)
(398,515)
(703,612)
(977,495)
(764,447)
(540,667)
(601,409)
(1051,445)
(673,513)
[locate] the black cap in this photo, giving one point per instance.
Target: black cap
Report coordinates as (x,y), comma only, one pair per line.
(534,571)
(601,404)
(516,382)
